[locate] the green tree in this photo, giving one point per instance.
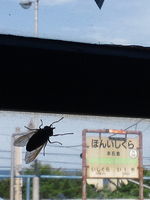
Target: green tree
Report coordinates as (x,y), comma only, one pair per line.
(71,188)
(4,188)
(59,188)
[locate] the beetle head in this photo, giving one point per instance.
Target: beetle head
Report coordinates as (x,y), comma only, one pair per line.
(52,127)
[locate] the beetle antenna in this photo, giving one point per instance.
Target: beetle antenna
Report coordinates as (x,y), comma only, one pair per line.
(56,121)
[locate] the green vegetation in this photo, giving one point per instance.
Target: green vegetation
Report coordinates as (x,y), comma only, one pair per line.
(71,188)
(56,188)
(4,188)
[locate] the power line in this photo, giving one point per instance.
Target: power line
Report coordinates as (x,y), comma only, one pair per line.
(8,158)
(70,146)
(6,151)
(58,154)
(135,124)
(146,128)
(64,154)
(5,167)
(5,134)
(59,162)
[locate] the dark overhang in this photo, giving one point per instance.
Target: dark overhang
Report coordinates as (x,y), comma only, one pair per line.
(46,75)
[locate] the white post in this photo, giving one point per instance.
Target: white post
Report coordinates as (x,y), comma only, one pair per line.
(18,167)
(36,7)
(35,195)
(12,170)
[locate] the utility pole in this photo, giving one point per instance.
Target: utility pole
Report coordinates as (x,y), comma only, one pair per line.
(16,165)
(36,181)
(26,4)
(12,169)
(36,8)
(18,168)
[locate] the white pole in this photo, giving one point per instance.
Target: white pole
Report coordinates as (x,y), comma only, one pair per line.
(36,7)
(35,195)
(12,170)
(18,167)
(13,167)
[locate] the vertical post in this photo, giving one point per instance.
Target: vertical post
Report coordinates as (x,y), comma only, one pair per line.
(28,189)
(35,194)
(84,169)
(141,197)
(12,170)
(16,164)
(36,7)
(17,169)
(18,181)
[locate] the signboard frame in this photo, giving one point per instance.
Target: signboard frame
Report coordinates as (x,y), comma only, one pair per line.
(111,131)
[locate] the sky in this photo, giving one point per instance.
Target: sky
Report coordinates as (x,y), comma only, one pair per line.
(124,22)
(71,144)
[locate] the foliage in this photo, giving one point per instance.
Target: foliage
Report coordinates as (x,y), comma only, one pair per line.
(71,188)
(58,188)
(4,188)
(130,190)
(66,188)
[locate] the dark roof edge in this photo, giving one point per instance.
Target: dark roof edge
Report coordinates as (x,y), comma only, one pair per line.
(130,51)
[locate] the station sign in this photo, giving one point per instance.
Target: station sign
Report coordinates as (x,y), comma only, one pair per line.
(110,157)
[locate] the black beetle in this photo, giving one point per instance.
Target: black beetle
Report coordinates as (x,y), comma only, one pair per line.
(37,139)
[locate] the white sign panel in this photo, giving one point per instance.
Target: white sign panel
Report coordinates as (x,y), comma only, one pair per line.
(112,158)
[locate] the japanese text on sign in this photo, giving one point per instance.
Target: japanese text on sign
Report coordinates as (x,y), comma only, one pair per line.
(112,157)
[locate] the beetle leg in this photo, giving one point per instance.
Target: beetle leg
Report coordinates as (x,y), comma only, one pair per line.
(54,142)
(41,124)
(31,129)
